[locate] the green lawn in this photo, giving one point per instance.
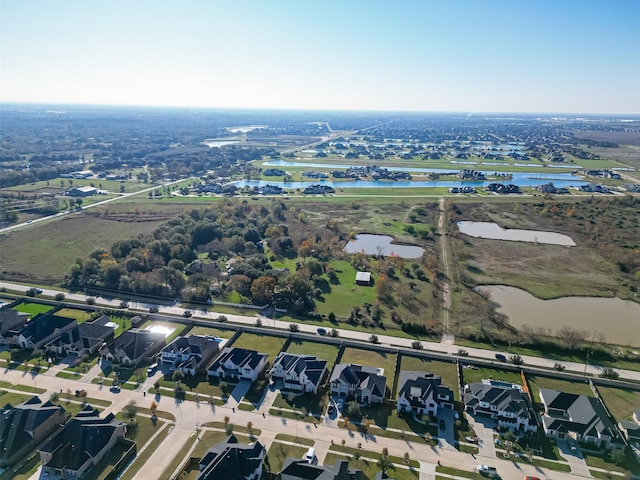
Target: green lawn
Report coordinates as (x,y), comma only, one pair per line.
(79,315)
(261,343)
(346,293)
(294,439)
(32,308)
(629,464)
(620,402)
(448,371)
(386,361)
(537,383)
(311,404)
(323,351)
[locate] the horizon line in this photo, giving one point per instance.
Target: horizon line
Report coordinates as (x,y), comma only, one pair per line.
(310,110)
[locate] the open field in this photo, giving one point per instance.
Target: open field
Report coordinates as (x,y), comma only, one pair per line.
(43,253)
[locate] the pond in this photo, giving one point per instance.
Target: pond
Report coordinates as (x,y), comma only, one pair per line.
(381,245)
(493,231)
(618,320)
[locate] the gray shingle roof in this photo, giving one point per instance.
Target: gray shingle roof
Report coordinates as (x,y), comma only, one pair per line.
(230,460)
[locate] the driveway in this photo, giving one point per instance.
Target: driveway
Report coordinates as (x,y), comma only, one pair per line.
(575,459)
(446,436)
(484,431)
(240,391)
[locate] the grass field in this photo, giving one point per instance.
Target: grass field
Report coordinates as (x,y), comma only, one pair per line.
(321,350)
(448,371)
(261,343)
(278,452)
(32,308)
(620,402)
(79,315)
(536,383)
(216,332)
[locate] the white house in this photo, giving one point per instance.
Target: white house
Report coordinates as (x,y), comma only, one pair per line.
(190,354)
(507,405)
(302,373)
(238,363)
(365,384)
(422,393)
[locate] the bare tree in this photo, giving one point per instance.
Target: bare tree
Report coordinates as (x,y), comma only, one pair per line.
(572,336)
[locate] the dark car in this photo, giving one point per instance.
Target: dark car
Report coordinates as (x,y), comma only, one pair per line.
(501,357)
(322,331)
(442,424)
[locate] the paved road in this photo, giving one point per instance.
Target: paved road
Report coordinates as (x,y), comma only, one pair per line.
(190,415)
(388,340)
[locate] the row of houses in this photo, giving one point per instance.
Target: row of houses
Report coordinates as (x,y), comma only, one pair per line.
(67,448)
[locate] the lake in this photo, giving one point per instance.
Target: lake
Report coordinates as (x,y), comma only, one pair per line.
(618,320)
(493,231)
(381,245)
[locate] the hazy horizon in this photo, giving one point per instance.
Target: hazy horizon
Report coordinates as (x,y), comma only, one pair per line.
(489,57)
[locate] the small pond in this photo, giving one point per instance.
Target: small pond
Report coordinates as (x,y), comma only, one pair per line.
(618,320)
(493,231)
(381,245)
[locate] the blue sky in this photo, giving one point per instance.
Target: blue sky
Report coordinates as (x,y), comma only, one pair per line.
(574,56)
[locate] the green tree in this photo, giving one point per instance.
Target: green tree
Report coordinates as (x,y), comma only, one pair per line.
(384,464)
(130,410)
(353,408)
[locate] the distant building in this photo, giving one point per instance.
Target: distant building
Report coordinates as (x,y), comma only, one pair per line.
(87,191)
(363,278)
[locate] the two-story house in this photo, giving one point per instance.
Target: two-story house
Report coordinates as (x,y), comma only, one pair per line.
(83,339)
(231,460)
(301,373)
(578,417)
(508,405)
(134,346)
(42,329)
(11,322)
(190,354)
(238,363)
(422,393)
(81,444)
(364,384)
(24,426)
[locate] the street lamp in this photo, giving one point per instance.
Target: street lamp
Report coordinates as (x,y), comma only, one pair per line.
(586,363)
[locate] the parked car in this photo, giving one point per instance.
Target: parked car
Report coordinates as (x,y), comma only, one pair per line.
(529,477)
(573,448)
(471,439)
(38,291)
(322,331)
(501,357)
(442,425)
(487,470)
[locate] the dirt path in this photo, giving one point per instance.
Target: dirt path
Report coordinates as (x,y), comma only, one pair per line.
(444,256)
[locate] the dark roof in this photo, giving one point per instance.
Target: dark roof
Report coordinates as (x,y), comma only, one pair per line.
(576,413)
(43,325)
(17,423)
(84,437)
(419,387)
(11,319)
(136,343)
(311,366)
(240,357)
(230,460)
(86,335)
(197,345)
(504,398)
(297,469)
(361,377)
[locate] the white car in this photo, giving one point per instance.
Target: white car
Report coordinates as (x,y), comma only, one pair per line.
(486,469)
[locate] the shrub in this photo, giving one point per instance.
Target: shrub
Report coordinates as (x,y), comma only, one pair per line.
(187,314)
(91,301)
(59,297)
(374,339)
(610,373)
(154,309)
(222,318)
(417,345)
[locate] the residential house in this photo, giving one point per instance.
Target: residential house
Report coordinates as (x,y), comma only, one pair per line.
(230,460)
(190,355)
(582,418)
(422,393)
(238,363)
(507,404)
(42,329)
(83,339)
(365,384)
(301,469)
(11,322)
(302,373)
(134,346)
(630,430)
(81,444)
(24,426)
